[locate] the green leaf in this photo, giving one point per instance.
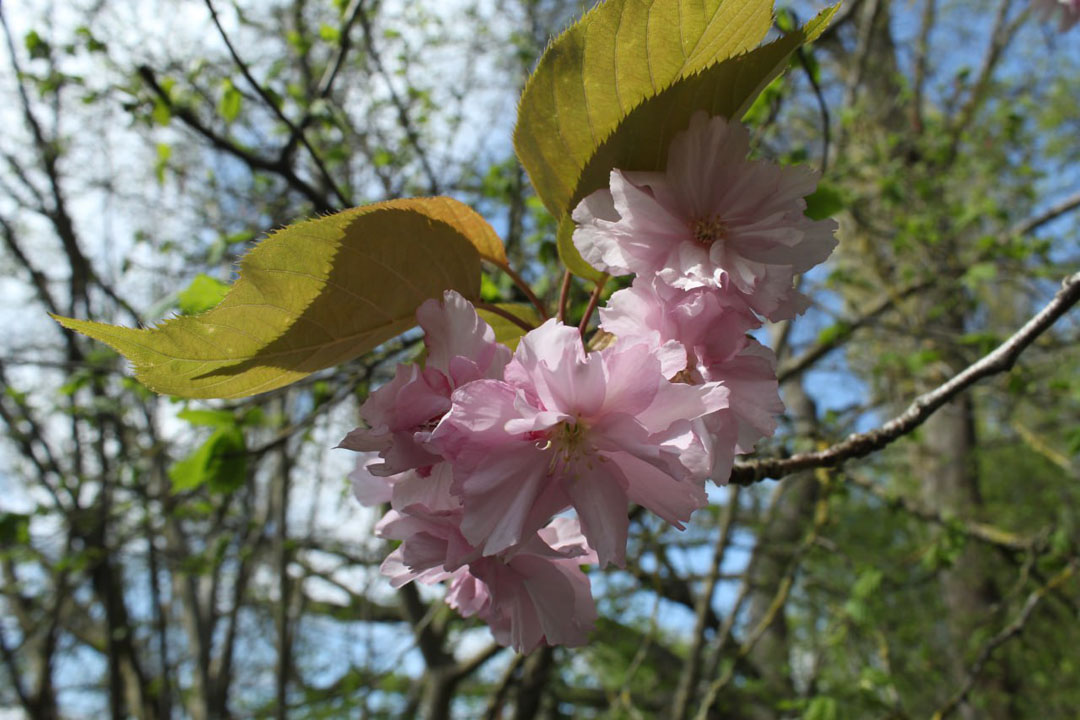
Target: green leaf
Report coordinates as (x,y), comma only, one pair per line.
(978,274)
(161,113)
(822,708)
(329,33)
(570,256)
(14,529)
(210,418)
(220,463)
(833,333)
(37,46)
(164,153)
(231,99)
(311,296)
(506,332)
(626,79)
(203,293)
(727,88)
(824,202)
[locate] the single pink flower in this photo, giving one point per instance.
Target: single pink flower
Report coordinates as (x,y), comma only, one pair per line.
(565,428)
(713,218)
(460,348)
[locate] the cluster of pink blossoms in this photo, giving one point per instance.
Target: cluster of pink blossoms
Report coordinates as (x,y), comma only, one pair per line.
(482,453)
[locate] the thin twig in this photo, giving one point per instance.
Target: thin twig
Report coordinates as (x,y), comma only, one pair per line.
(1008,632)
(523,286)
(564,295)
(977,531)
(922,54)
(862,444)
(808,358)
(411,134)
(253,161)
(503,313)
(1051,213)
(326,83)
(689,677)
(823,107)
(272,104)
(594,300)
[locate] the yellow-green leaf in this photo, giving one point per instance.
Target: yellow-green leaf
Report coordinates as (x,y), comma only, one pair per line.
(311,296)
(727,88)
(506,332)
(620,53)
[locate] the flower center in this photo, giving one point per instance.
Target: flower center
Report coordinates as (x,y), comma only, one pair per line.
(569,437)
(567,441)
(708,230)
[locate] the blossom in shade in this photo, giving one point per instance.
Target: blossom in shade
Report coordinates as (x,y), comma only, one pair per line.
(711,326)
(538,595)
(565,428)
(753,403)
(712,218)
(535,594)
(461,348)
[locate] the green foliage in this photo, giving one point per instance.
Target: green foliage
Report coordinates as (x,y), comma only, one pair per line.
(231,101)
(203,293)
(311,296)
(220,463)
(824,202)
(14,529)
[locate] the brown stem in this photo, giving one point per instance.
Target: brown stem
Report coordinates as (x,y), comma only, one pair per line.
(564,295)
(523,286)
(504,314)
(594,300)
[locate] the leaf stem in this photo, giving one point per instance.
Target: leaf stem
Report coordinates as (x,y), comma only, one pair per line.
(524,325)
(593,302)
(523,286)
(564,295)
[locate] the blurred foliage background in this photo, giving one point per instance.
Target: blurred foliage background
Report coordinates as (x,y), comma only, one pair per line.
(177,559)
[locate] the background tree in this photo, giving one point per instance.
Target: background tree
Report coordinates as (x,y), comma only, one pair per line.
(167,559)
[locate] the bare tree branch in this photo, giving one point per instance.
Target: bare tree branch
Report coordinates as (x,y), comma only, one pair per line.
(1008,632)
(862,444)
(273,105)
(411,135)
(255,162)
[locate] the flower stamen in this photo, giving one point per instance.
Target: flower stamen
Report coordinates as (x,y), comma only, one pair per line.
(708,230)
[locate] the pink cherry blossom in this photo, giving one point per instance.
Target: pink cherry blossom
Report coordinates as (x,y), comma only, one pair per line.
(713,218)
(753,403)
(565,428)
(712,328)
(708,323)
(460,348)
(536,594)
